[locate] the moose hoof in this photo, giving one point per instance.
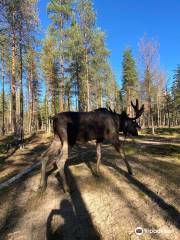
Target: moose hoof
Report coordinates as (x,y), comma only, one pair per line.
(97,173)
(41,189)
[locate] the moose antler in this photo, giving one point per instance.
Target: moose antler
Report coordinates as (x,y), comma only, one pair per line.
(112,110)
(137,110)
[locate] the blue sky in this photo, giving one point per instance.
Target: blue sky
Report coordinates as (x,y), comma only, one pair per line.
(126,21)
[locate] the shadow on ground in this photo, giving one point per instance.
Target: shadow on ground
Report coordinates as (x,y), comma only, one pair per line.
(72,220)
(77,222)
(29,157)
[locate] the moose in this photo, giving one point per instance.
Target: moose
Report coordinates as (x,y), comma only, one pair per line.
(99,125)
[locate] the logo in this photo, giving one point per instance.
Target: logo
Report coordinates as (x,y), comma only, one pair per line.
(139,231)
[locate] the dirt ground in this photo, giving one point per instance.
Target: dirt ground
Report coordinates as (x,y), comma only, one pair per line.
(109,206)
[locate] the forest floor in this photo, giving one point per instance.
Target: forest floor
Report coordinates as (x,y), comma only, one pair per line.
(109,206)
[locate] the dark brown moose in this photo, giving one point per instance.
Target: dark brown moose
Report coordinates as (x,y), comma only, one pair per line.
(99,125)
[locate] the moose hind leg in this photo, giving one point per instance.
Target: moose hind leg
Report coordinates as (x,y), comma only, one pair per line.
(48,156)
(61,164)
(98,153)
(118,146)
(43,181)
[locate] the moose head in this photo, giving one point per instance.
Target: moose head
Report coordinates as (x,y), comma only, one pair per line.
(128,125)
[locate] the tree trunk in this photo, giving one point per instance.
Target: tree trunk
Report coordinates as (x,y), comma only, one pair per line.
(21,93)
(152,124)
(158,117)
(78,80)
(128,102)
(3,97)
(54,103)
(87,80)
(29,101)
(13,84)
(99,94)
(62,78)
(168,115)
(47,113)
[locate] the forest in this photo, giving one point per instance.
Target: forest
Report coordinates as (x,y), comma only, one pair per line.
(121,181)
(70,70)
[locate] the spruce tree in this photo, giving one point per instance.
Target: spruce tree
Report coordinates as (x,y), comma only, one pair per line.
(176,93)
(130,78)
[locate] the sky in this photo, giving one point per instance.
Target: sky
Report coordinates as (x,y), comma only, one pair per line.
(126,21)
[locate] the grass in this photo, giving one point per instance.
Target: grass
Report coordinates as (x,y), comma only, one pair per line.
(130,148)
(150,149)
(4,140)
(7,176)
(174,131)
(161,150)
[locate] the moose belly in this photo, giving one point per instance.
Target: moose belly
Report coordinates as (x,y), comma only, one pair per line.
(85,135)
(90,132)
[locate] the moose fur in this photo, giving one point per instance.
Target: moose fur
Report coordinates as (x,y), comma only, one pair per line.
(99,125)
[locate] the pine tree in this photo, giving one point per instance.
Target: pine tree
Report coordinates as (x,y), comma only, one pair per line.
(59,11)
(74,54)
(87,25)
(33,85)
(19,18)
(50,66)
(99,67)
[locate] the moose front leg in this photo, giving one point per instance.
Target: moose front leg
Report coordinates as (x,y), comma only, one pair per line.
(118,146)
(98,153)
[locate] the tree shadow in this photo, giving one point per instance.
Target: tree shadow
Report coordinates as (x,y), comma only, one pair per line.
(14,148)
(28,159)
(82,151)
(161,169)
(171,213)
(14,211)
(146,148)
(157,138)
(163,131)
(160,150)
(153,166)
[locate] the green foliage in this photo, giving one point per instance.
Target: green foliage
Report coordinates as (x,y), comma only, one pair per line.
(50,68)
(176,89)
(74,57)
(129,78)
